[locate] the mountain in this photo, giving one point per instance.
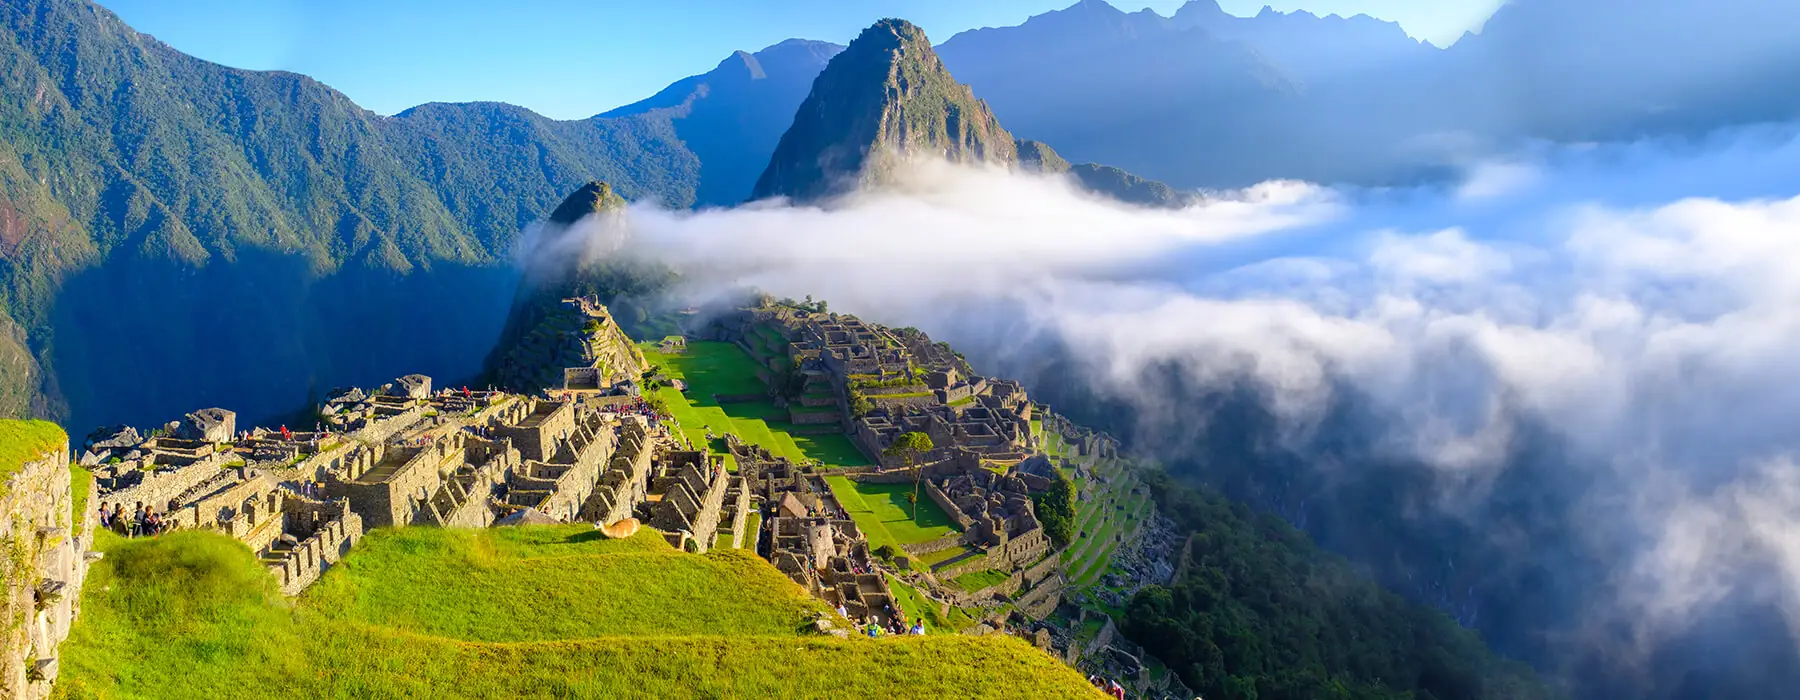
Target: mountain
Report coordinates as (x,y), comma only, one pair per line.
(1614,69)
(732,116)
(176,233)
(886,95)
(1132,90)
(1308,48)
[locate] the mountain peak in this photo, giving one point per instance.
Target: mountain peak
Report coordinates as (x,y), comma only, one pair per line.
(592,197)
(887,94)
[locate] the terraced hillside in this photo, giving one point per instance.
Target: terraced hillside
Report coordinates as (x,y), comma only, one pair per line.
(512,612)
(1108,512)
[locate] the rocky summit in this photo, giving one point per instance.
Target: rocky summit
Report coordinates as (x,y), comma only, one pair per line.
(886,94)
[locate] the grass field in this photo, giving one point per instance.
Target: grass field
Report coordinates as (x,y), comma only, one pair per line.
(977,580)
(722,369)
(504,613)
(885,516)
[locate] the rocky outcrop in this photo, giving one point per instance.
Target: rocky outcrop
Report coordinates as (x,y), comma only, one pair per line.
(886,94)
(45,538)
(560,332)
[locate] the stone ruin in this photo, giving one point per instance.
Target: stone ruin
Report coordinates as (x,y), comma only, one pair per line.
(687,499)
(825,552)
(402,454)
(996,513)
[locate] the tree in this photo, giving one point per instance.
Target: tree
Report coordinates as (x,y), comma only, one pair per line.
(1056,510)
(909,447)
(860,404)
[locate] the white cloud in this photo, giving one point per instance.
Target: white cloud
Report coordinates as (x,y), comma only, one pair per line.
(1653,328)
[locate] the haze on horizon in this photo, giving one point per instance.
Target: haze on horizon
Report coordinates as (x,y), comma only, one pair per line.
(393,56)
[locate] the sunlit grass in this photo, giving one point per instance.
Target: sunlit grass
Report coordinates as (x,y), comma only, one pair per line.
(504,613)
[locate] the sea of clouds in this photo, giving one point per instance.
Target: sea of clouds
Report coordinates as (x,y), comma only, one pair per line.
(1641,300)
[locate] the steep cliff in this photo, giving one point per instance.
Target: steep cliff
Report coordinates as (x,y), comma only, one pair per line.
(45,536)
(886,98)
(886,95)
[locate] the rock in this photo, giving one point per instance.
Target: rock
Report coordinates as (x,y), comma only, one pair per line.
(208,425)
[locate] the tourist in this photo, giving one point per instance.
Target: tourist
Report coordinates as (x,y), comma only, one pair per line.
(843,612)
(137,520)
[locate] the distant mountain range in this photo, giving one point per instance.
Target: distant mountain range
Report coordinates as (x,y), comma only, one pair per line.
(731,117)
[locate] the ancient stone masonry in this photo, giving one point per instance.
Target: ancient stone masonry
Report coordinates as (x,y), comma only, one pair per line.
(626,481)
(687,498)
(46,546)
(314,536)
(401,454)
(822,550)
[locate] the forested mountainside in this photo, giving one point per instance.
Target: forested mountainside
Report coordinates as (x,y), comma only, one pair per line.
(175,233)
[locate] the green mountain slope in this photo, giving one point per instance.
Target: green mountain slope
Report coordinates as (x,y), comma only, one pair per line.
(503,613)
(156,208)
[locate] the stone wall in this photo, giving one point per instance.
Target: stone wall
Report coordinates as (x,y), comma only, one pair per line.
(919,549)
(335,528)
(963,521)
(157,489)
(536,435)
(1039,602)
(380,429)
(46,560)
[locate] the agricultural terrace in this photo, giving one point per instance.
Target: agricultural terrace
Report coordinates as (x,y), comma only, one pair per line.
(1106,513)
(504,613)
(885,516)
(714,369)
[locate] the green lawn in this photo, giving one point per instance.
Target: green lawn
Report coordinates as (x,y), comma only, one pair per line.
(977,580)
(713,368)
(503,613)
(885,516)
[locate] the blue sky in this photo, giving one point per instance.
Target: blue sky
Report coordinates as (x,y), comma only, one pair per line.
(572,59)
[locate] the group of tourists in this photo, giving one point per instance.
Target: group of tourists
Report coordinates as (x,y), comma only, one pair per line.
(896,624)
(1110,687)
(143,522)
